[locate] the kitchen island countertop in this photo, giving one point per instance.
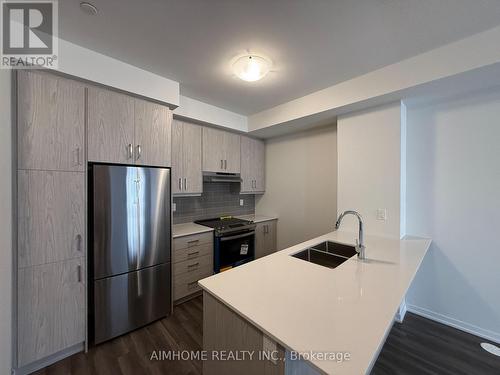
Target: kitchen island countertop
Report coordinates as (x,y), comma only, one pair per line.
(307,307)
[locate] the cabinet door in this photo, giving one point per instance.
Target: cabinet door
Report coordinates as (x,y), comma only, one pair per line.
(232,152)
(270,236)
(177,156)
(213,150)
(51,309)
(51,120)
(259,165)
(246,164)
(265,238)
(51,217)
(110,126)
(153,133)
(260,240)
(193,179)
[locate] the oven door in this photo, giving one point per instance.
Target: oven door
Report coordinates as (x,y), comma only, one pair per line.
(233,250)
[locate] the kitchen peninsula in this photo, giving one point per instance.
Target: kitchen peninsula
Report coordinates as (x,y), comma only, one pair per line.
(295,306)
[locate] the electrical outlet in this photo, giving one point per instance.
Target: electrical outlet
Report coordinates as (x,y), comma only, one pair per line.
(174,207)
(241,202)
(382,214)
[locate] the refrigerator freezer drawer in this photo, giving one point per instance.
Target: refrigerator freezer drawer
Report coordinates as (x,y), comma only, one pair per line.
(125,302)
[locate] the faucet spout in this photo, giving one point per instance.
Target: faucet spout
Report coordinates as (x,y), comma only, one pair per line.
(360,242)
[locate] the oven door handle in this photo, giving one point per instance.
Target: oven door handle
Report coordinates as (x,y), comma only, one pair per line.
(237,236)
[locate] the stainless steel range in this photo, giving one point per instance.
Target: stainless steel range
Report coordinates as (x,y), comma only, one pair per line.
(234,241)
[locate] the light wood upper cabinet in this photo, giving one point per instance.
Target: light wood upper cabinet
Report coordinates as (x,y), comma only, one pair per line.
(191,139)
(252,165)
(51,309)
(51,212)
(177,157)
(153,123)
(265,238)
(221,151)
(186,158)
(213,150)
(110,126)
(51,122)
(232,152)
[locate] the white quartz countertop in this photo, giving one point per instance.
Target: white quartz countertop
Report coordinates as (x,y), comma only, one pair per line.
(187,229)
(257,218)
(307,307)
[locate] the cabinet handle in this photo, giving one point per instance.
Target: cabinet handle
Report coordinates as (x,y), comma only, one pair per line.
(225,164)
(221,164)
(192,284)
(180,183)
(193,266)
(79,273)
(193,242)
(78,156)
(79,242)
(193,253)
(139,151)
(185,184)
(130,151)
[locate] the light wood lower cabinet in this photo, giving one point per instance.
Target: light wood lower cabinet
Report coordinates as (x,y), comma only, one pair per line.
(51,212)
(265,238)
(51,309)
(192,261)
(225,330)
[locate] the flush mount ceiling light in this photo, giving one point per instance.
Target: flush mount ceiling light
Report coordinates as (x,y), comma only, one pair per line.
(251,67)
(88,8)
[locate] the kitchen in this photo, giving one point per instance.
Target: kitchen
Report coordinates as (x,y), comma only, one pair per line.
(267,193)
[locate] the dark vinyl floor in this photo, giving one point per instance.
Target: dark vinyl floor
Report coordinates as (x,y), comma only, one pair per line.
(418,346)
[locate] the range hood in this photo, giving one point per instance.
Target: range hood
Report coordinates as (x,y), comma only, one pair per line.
(221,177)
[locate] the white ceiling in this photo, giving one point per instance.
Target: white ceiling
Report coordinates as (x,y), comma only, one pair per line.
(313,43)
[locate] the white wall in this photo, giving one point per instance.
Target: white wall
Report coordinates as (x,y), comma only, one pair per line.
(301,184)
(369,167)
(87,64)
(200,111)
(453,196)
(5,223)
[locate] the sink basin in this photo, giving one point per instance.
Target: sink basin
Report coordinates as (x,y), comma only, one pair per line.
(327,254)
(335,248)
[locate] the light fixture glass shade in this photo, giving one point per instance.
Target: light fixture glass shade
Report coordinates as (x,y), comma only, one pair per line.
(251,67)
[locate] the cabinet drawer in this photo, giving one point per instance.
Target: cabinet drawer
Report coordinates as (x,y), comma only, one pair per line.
(193,265)
(187,283)
(193,252)
(193,240)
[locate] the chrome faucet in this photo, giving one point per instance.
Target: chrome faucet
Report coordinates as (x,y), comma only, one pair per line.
(360,242)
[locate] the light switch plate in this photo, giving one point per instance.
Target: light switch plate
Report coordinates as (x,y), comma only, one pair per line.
(381,214)
(241,202)
(174,207)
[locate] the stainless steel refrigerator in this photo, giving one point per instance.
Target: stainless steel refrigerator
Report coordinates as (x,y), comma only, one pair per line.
(130,252)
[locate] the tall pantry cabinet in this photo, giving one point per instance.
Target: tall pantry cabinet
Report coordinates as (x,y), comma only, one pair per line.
(51,229)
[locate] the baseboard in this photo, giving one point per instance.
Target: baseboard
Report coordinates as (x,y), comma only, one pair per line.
(455,323)
(47,361)
(400,315)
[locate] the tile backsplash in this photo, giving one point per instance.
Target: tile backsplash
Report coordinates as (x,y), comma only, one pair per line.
(217,199)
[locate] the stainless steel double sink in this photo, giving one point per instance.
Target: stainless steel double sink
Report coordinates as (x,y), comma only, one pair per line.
(328,254)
